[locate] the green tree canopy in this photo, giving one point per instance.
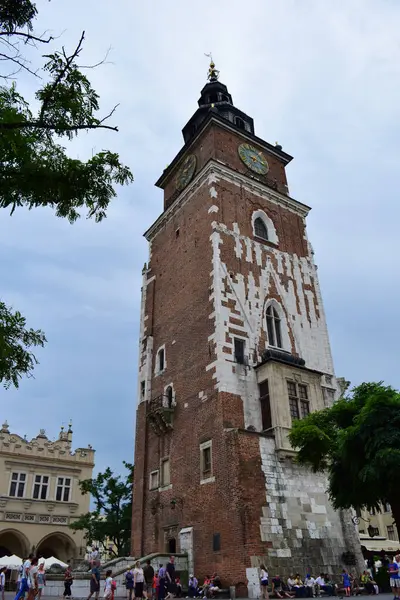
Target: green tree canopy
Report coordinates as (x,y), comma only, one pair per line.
(110,521)
(35,168)
(357,442)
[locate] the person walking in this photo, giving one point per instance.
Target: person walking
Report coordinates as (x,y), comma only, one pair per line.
(161,582)
(148,572)
(68,580)
(170,573)
(138,580)
(23,588)
(108,585)
(33,579)
(95,580)
(41,579)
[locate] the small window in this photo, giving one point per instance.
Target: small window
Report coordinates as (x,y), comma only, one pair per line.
(239,123)
(63,489)
(273,327)
(17,485)
(142,389)
(266,418)
(160,363)
(391,534)
(216,542)
(206,460)
(154,480)
(388,508)
(40,487)
(165,472)
(373,531)
(239,350)
(299,404)
(169,395)
(260,229)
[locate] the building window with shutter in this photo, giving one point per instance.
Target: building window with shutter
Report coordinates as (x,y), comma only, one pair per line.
(154,477)
(265,403)
(206,462)
(299,403)
(239,350)
(391,533)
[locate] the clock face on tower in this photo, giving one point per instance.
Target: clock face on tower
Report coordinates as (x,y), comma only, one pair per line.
(253,159)
(186,172)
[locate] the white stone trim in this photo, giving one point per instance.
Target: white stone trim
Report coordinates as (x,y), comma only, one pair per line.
(155,487)
(210,478)
(212,173)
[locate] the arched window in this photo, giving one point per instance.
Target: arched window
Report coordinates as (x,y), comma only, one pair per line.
(260,229)
(170,396)
(239,123)
(273,327)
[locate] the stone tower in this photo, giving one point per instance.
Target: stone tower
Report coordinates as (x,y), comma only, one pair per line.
(233,347)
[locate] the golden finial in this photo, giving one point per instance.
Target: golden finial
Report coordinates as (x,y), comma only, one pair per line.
(213,73)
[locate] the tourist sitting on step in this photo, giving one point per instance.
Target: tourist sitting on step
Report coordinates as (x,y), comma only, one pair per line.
(299,587)
(309,582)
(279,588)
(193,590)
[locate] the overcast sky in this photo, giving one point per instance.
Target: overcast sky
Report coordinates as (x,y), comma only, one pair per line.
(320,77)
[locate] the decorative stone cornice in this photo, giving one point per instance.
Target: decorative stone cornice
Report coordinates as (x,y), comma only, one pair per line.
(218,170)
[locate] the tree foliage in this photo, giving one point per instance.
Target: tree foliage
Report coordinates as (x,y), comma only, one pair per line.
(35,168)
(110,521)
(357,442)
(16,359)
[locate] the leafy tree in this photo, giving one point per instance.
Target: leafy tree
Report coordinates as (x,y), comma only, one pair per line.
(110,521)
(357,442)
(35,169)
(15,358)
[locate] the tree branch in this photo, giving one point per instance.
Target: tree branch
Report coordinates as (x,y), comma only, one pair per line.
(61,75)
(43,125)
(27,36)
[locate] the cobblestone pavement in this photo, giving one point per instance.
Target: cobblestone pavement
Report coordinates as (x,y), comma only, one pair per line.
(11,595)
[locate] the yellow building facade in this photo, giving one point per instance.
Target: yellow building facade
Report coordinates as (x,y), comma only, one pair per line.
(40,495)
(382,523)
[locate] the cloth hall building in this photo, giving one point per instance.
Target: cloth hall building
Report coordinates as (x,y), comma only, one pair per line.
(233,347)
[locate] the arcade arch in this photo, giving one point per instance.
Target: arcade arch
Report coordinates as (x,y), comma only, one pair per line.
(14,542)
(57,544)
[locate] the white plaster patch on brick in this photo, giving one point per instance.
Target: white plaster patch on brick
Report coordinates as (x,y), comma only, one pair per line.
(212,178)
(173,342)
(238,242)
(202,395)
(278,256)
(213,209)
(299,533)
(258,253)
(185,405)
(213,192)
(249,253)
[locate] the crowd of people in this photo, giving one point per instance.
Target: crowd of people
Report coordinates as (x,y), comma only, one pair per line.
(311,587)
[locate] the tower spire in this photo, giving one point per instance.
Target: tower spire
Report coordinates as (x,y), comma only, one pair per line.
(213,73)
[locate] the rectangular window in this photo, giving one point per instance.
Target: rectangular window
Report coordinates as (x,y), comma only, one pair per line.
(154,480)
(17,485)
(165,472)
(216,542)
(40,487)
(388,508)
(266,418)
(161,360)
(239,350)
(391,533)
(142,389)
(206,460)
(299,404)
(375,531)
(63,489)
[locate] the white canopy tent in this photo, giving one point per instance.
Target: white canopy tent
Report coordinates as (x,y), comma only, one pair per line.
(49,562)
(11,562)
